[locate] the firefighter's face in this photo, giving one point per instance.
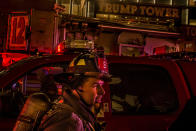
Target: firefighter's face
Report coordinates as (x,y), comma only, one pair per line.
(92,91)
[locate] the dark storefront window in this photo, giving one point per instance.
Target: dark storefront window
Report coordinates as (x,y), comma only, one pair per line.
(180,2)
(164,2)
(192,16)
(142,89)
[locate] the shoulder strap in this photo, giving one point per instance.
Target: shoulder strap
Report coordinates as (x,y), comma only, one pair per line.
(55,114)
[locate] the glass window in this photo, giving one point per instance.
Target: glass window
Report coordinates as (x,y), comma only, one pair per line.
(192,16)
(180,2)
(39,79)
(184,16)
(67,8)
(75,7)
(192,22)
(103,16)
(147,1)
(62,1)
(132,1)
(164,2)
(65,4)
(112,0)
(192,2)
(83,8)
(91,8)
(140,89)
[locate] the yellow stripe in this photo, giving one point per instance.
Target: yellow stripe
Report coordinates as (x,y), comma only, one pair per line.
(81,62)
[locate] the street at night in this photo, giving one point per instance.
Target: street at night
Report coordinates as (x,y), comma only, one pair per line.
(97,65)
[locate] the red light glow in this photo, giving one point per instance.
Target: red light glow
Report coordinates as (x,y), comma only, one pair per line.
(60,48)
(10,58)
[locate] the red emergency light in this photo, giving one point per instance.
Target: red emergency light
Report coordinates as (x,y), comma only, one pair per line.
(10,58)
(102,62)
(60,48)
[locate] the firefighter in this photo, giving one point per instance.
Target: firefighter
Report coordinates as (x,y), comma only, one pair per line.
(84,81)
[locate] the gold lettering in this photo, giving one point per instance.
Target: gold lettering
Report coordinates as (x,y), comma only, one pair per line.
(115,8)
(159,11)
(142,9)
(175,13)
(150,11)
(133,9)
(168,12)
(124,9)
(108,8)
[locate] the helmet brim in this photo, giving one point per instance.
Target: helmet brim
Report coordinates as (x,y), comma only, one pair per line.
(103,76)
(66,77)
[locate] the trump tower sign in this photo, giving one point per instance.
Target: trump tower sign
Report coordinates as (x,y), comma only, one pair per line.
(137,10)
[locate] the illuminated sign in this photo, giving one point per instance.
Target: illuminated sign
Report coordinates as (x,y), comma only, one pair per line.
(160,50)
(17,32)
(137,10)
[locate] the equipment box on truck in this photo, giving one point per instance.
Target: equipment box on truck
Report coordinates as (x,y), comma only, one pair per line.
(31,30)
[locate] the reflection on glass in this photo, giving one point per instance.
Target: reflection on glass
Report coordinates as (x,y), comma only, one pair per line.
(192,17)
(147,1)
(133,1)
(60,2)
(66,4)
(164,2)
(180,2)
(103,16)
(75,7)
(67,8)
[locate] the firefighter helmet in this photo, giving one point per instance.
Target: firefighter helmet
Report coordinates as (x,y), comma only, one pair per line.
(84,65)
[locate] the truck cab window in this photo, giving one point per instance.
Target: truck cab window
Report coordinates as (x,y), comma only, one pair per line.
(39,79)
(142,89)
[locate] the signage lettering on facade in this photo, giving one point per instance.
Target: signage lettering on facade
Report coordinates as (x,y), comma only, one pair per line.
(128,9)
(189,31)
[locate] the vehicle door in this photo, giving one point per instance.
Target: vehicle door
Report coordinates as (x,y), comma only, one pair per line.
(144,94)
(189,71)
(24,78)
(186,120)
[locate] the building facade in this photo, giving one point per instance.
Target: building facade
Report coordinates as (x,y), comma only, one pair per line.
(147,26)
(122,27)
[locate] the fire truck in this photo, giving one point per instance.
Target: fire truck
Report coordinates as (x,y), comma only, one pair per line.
(35,32)
(146,94)
(29,32)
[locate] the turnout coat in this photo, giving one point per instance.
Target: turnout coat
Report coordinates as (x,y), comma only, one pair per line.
(69,114)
